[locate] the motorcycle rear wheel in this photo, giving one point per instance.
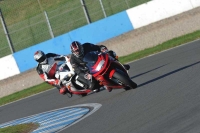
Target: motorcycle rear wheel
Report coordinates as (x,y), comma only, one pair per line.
(123,78)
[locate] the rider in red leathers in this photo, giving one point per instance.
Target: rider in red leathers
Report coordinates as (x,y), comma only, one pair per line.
(47,67)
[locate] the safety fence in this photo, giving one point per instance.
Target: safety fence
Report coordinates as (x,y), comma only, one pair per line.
(27,23)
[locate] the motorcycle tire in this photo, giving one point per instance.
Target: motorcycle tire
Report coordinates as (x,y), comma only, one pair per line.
(122,77)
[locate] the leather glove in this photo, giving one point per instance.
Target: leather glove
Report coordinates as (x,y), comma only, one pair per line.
(104,49)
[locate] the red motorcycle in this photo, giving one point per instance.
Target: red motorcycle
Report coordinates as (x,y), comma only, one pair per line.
(108,71)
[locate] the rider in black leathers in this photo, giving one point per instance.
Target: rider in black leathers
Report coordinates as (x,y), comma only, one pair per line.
(78,52)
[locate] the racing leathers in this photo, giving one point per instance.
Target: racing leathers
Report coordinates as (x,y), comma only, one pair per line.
(47,71)
(79,66)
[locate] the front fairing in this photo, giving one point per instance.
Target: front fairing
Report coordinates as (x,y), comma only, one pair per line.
(62,66)
(102,67)
(62,71)
(90,59)
(96,62)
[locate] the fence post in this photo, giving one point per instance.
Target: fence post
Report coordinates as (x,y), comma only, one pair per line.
(127,3)
(49,25)
(103,8)
(85,11)
(6,33)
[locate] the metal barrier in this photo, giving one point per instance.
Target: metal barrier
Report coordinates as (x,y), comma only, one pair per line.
(48,22)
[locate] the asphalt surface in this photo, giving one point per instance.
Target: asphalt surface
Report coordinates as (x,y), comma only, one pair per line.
(166,101)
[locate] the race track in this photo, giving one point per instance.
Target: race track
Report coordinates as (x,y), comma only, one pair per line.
(166,101)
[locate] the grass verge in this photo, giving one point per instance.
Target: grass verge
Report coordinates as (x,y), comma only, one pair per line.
(22,128)
(124,59)
(161,47)
(25,93)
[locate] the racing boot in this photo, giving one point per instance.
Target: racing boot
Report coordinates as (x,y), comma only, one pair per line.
(108,88)
(96,90)
(64,91)
(69,94)
(99,88)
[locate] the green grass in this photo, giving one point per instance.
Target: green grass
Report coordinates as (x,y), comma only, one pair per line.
(25,93)
(22,128)
(137,55)
(166,45)
(27,25)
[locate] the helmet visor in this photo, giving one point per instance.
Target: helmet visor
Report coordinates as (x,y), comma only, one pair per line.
(76,52)
(42,59)
(77,49)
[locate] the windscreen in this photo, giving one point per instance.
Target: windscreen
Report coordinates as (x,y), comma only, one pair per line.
(90,59)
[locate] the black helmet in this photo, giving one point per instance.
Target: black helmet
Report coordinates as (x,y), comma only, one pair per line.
(77,49)
(40,57)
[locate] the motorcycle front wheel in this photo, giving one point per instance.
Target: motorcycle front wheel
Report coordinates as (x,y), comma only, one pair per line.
(124,79)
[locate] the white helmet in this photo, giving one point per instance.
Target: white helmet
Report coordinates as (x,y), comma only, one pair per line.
(40,57)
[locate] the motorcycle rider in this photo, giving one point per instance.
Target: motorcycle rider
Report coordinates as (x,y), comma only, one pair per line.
(47,67)
(79,51)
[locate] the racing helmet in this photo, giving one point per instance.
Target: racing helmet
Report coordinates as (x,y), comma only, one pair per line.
(40,57)
(77,49)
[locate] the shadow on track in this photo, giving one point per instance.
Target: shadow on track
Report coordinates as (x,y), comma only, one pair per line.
(147,72)
(167,74)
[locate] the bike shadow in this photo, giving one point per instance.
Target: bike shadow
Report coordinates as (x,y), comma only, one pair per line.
(168,74)
(148,71)
(93,92)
